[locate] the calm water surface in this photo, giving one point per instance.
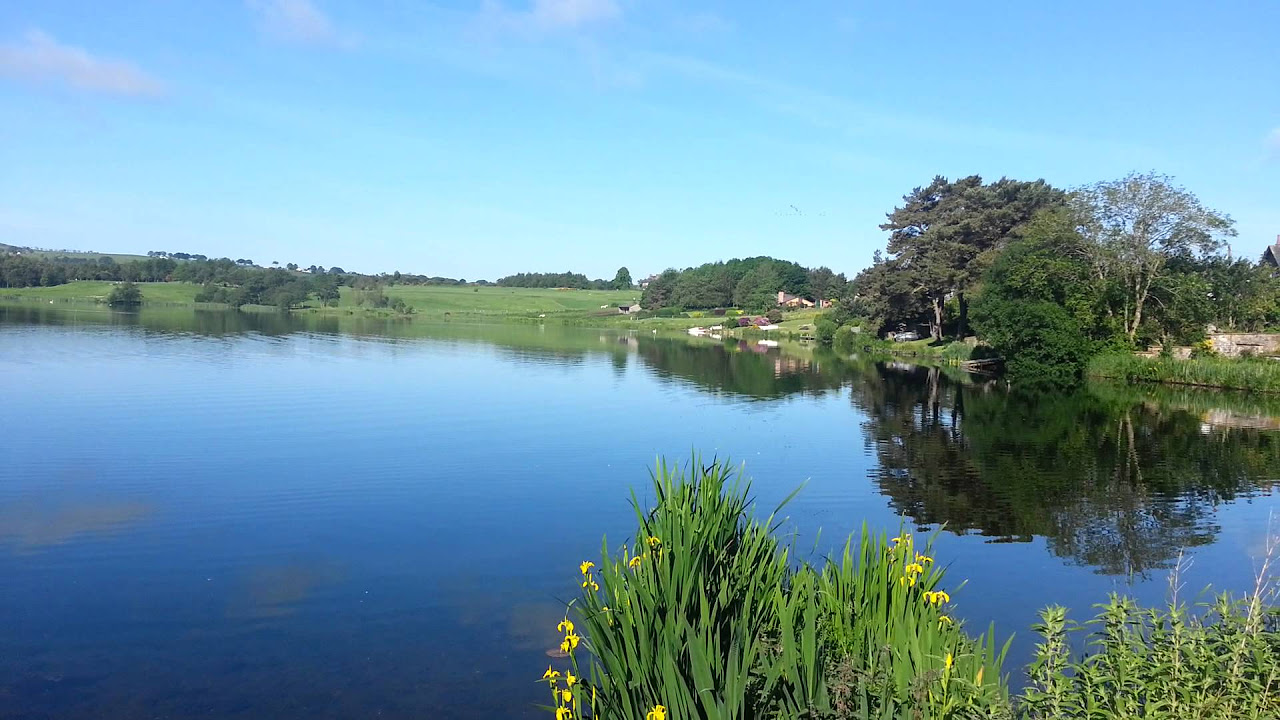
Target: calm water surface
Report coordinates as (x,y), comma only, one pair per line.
(225,515)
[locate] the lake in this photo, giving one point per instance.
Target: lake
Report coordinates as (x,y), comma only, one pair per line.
(220,514)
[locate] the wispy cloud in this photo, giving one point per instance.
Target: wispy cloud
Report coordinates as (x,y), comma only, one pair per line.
(551,14)
(703,22)
(39,58)
(298,21)
(1271,144)
(833,112)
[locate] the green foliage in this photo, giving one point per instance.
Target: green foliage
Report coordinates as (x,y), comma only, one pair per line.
(1245,295)
(1158,663)
(1254,374)
(825,284)
(751,283)
(621,279)
(1135,229)
(126,293)
(1041,308)
(845,339)
(945,234)
(774,315)
(1041,342)
(824,331)
(710,617)
(577,281)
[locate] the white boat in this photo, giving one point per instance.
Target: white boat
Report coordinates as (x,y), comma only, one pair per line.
(697,331)
(767,343)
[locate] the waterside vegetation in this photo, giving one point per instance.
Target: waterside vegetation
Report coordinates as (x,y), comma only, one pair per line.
(706,613)
(1251,374)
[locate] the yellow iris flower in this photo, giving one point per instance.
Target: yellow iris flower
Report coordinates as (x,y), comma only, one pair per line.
(654,542)
(590,583)
(564,713)
(586,566)
(566,696)
(570,642)
(944,619)
(948,662)
(916,568)
(923,558)
(634,562)
(565,626)
(570,679)
(657,713)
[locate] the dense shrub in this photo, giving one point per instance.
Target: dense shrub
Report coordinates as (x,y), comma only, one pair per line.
(125,293)
(824,331)
(1041,342)
(844,340)
(1167,663)
(774,316)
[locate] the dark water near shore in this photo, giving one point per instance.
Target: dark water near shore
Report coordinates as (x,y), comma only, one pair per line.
(262,516)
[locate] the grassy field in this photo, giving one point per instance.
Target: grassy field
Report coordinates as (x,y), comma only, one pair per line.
(94,290)
(500,301)
(576,307)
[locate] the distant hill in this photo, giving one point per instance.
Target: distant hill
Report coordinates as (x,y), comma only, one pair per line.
(72,254)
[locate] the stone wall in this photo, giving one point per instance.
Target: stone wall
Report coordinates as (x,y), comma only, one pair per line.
(1235,344)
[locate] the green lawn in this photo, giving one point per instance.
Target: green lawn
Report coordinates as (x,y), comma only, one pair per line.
(94,290)
(439,299)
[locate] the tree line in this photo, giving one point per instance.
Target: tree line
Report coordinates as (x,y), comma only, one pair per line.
(749,283)
(1050,277)
(576,281)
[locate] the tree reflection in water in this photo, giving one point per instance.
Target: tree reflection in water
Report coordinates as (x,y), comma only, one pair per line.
(1111,480)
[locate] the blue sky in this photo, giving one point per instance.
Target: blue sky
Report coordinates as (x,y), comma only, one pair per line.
(479,138)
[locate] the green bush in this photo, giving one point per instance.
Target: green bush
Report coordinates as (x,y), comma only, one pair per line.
(844,340)
(774,315)
(1041,342)
(1158,663)
(125,293)
(824,331)
(669,312)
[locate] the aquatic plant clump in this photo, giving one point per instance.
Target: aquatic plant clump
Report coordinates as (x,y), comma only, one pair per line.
(706,614)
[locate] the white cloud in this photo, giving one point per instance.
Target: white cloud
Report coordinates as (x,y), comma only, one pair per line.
(39,58)
(1271,143)
(297,21)
(552,14)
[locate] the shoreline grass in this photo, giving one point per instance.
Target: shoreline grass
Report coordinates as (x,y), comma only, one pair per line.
(1259,375)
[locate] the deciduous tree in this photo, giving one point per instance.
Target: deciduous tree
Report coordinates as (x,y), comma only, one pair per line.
(1135,225)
